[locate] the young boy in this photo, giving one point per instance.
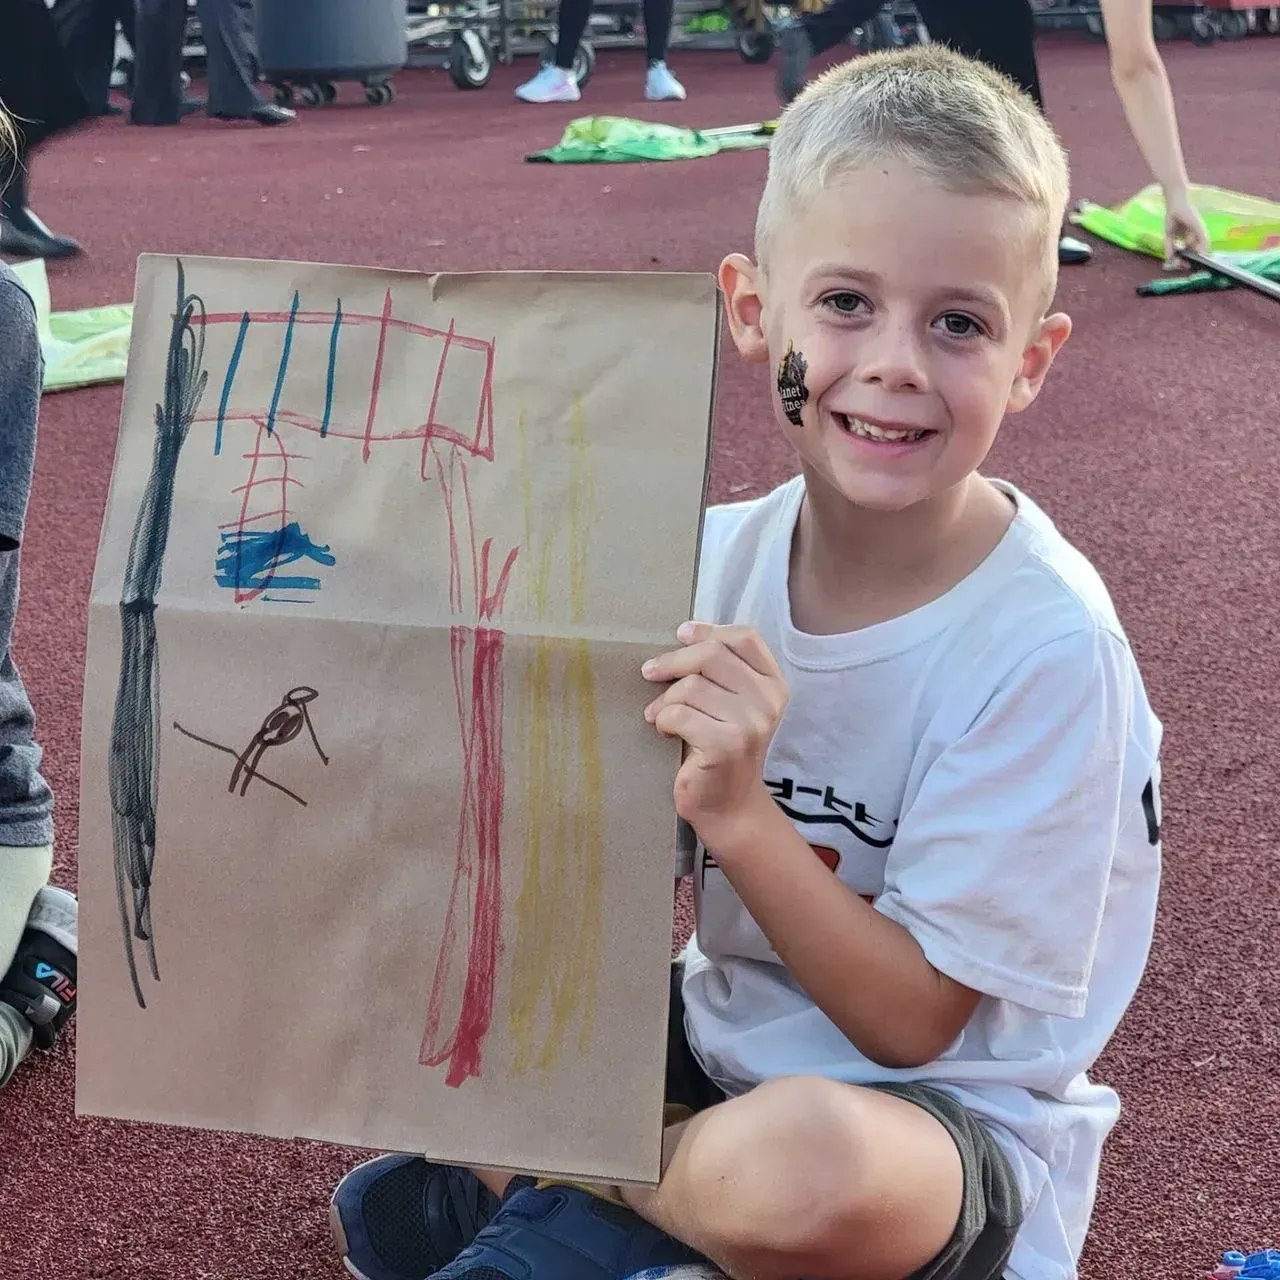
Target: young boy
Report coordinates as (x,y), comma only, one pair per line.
(921,765)
(37,921)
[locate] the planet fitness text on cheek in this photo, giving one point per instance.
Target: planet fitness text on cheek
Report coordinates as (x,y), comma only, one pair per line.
(791,389)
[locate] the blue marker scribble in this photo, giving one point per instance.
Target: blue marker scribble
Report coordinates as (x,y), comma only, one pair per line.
(285,349)
(333,365)
(248,559)
(229,381)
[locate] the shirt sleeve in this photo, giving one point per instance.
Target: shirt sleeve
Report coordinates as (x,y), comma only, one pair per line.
(1001,862)
(21,381)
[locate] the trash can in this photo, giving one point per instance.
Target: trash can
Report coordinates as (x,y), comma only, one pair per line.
(306,47)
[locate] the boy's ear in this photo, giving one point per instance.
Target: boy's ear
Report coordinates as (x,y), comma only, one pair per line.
(1053,331)
(740,281)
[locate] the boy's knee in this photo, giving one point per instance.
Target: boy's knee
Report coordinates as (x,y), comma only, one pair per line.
(782,1168)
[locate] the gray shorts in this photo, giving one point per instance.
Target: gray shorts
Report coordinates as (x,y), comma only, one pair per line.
(991,1209)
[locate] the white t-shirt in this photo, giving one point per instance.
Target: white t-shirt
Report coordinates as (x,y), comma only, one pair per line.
(985,770)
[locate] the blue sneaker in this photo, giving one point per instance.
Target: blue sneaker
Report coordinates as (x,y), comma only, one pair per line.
(403,1218)
(565,1233)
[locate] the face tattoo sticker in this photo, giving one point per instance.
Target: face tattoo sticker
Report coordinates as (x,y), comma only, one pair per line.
(791,389)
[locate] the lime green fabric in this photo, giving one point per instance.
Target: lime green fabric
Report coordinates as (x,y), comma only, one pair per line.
(1236,222)
(81,348)
(618,140)
(1266,264)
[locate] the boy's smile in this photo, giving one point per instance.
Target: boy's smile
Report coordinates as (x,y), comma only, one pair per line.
(918,312)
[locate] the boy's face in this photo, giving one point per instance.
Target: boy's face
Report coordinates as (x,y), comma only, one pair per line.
(917,317)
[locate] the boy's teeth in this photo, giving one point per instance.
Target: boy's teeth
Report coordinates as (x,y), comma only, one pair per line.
(860,428)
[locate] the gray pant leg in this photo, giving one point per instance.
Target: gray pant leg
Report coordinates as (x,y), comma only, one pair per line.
(232,55)
(15,1041)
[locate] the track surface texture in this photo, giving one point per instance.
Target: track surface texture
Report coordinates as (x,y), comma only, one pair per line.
(1152,446)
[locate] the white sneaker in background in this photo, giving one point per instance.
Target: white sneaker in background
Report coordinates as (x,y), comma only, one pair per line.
(551,84)
(661,86)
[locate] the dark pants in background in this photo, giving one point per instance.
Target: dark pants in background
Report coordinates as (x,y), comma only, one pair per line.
(231,65)
(87,29)
(37,83)
(1000,33)
(39,87)
(573,16)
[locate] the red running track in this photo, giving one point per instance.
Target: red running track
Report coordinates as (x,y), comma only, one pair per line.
(1152,446)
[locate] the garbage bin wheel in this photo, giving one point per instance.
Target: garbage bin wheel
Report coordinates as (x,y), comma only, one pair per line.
(328,92)
(1204,31)
(756,44)
(283,94)
(470,60)
(310,95)
(1233,24)
(380,95)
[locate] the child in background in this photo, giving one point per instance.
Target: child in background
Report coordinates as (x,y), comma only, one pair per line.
(921,766)
(37,921)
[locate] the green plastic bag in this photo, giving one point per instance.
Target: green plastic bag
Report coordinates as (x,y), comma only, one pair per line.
(81,348)
(618,140)
(1236,222)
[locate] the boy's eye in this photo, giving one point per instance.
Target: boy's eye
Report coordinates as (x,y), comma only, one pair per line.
(959,325)
(844,302)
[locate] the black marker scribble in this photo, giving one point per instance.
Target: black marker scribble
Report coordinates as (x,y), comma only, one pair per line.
(132,770)
(281,726)
(791,389)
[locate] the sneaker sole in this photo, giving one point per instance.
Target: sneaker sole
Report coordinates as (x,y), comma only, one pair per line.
(339,1234)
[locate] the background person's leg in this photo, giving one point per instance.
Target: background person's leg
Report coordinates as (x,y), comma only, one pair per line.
(571,25)
(1001,33)
(15,1042)
(815,33)
(230,44)
(556,83)
(23,873)
(22,233)
(87,29)
(659,85)
(157,62)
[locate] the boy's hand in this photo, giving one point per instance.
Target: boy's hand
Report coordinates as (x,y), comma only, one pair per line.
(725,699)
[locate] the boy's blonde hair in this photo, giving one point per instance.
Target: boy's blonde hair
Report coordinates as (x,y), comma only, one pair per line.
(957,122)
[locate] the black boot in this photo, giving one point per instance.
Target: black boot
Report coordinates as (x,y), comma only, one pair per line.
(22,234)
(1072,252)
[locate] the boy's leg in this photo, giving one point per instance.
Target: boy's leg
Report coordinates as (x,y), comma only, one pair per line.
(809,1177)
(402,1218)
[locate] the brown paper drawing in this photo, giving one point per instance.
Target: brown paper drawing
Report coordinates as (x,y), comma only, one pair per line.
(376,846)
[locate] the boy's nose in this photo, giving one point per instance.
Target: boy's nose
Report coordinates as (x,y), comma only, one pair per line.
(891,356)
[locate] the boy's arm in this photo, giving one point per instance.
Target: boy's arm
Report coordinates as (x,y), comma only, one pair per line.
(999,867)
(863,970)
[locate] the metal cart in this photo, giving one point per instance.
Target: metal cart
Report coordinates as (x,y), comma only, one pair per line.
(1203,23)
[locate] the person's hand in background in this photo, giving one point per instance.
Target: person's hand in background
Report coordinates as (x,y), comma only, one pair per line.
(1183,227)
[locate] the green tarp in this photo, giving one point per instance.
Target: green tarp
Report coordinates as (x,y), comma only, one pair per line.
(81,348)
(1237,223)
(618,140)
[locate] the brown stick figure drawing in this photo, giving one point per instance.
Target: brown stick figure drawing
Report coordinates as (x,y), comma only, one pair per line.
(281,726)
